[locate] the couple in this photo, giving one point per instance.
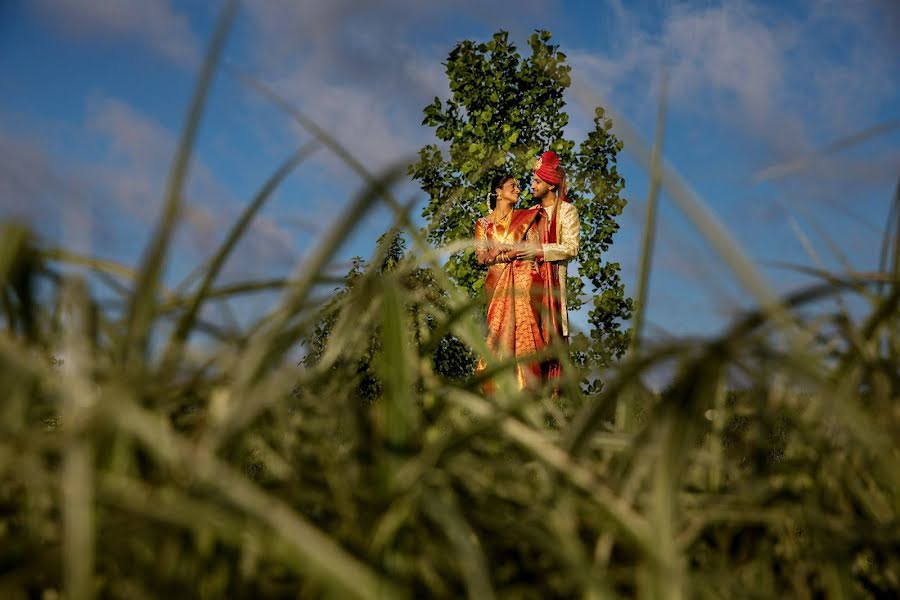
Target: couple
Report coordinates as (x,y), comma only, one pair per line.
(527,252)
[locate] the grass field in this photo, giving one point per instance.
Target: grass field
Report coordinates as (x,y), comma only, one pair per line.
(136,464)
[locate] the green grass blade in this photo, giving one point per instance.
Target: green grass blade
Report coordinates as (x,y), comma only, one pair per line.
(321,556)
(791,167)
(627,522)
(77,472)
(398,403)
(887,260)
(374,182)
(268,345)
(464,542)
(183,328)
(15,242)
(650,222)
(143,302)
(623,408)
(691,205)
(103,265)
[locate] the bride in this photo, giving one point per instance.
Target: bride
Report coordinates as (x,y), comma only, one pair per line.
(513,311)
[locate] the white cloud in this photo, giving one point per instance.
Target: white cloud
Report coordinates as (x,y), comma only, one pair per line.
(55,200)
(362,71)
(729,50)
(720,59)
(132,135)
(141,151)
(154,22)
(139,154)
(349,36)
(116,198)
(776,86)
(363,121)
(752,68)
(30,185)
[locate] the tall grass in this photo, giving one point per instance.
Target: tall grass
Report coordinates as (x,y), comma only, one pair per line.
(127,472)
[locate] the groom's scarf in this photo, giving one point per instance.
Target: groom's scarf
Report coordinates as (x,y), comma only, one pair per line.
(551,315)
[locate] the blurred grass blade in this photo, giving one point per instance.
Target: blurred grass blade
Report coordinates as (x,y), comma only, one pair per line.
(395,362)
(691,205)
(102,265)
(718,237)
(309,125)
(15,242)
(650,223)
(357,166)
(779,171)
(624,405)
(813,255)
(229,291)
(143,302)
(19,270)
(321,556)
(465,544)
(77,471)
(887,261)
(628,523)
(183,328)
(277,337)
(77,485)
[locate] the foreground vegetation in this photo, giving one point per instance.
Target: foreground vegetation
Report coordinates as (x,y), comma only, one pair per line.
(137,464)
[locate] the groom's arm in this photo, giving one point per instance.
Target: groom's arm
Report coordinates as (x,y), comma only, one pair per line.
(567,246)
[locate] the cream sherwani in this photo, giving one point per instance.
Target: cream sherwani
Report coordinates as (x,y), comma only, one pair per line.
(568,230)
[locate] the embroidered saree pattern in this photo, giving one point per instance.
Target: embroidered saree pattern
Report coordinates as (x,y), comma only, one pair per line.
(513,309)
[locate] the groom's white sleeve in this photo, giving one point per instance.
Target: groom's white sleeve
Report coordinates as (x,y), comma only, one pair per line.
(569,231)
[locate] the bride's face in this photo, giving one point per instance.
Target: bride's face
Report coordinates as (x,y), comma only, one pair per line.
(509,191)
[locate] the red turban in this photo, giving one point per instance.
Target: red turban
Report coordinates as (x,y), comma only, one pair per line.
(547,168)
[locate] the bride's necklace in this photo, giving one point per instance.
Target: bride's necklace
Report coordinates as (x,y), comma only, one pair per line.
(501,224)
(504,218)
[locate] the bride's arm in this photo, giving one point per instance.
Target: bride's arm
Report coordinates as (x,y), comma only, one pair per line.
(486,252)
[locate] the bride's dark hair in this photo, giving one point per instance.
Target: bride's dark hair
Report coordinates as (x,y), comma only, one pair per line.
(497,182)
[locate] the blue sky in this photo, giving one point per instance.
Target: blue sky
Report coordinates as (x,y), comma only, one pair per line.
(95,94)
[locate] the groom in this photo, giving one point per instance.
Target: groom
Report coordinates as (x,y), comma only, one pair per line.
(559,228)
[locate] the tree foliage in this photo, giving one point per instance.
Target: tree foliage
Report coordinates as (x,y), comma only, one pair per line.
(504,110)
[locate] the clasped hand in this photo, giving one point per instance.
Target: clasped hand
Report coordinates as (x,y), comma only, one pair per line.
(523,251)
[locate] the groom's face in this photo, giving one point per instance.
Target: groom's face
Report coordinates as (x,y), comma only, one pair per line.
(539,188)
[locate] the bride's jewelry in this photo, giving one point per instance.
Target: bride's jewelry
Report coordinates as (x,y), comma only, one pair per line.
(503,218)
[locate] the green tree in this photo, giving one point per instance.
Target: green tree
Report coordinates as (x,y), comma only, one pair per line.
(504,110)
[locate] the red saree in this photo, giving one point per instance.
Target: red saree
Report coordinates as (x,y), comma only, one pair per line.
(513,309)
